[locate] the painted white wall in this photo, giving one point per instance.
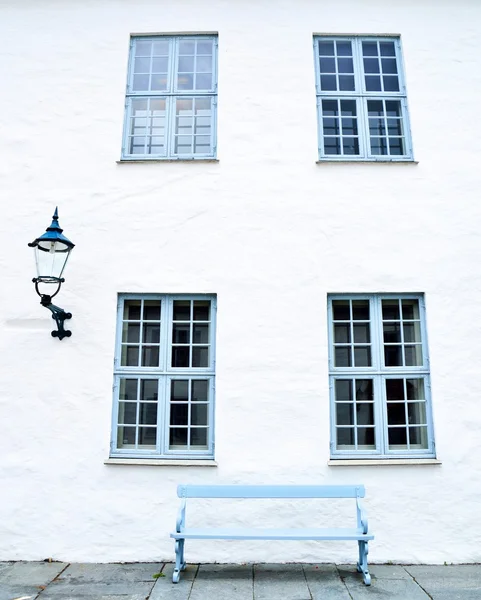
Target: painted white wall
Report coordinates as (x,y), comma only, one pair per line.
(268,230)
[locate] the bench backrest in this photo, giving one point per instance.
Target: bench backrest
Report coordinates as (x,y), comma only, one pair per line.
(271,491)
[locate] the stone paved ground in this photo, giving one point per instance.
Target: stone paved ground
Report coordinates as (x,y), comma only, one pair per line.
(64,581)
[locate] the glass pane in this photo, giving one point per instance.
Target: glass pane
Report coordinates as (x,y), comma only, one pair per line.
(200,356)
(344,413)
(396,413)
(151,310)
(415,389)
(361,333)
(350,145)
(393,356)
(137,145)
(346,83)
(132,310)
(130,356)
(344,389)
(375,108)
(204,47)
(149,389)
(128,412)
(160,48)
(371,65)
(181,310)
(150,356)
(392,333)
(362,356)
(345,436)
(365,438)
(179,389)
(417,413)
(349,126)
(200,390)
(365,414)
(391,83)
(390,310)
(413,356)
(330,108)
(181,333)
(179,414)
(326,48)
(160,65)
(147,436)
(327,65)
(158,82)
(395,389)
(378,146)
(141,83)
(201,334)
(418,437)
(187,47)
(180,356)
(348,108)
(328,83)
(342,357)
(342,333)
(369,48)
(332,145)
(128,389)
(360,310)
(412,332)
(387,49)
(373,83)
(341,310)
(204,64)
(148,413)
(330,126)
(397,437)
(143,48)
(389,65)
(142,65)
(131,333)
(393,108)
(343,48)
(410,309)
(396,146)
(377,127)
(186,64)
(199,414)
(178,436)
(364,389)
(198,437)
(125,436)
(345,65)
(151,334)
(203,81)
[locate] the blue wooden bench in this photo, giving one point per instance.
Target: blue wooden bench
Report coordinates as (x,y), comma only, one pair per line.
(358,533)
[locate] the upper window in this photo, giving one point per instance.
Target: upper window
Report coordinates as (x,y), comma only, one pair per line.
(170,108)
(361,99)
(164,377)
(379,377)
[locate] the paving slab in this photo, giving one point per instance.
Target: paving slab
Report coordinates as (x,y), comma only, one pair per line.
(164,589)
(26,579)
(232,582)
(393,586)
(324,582)
(110,573)
(274,581)
(450,582)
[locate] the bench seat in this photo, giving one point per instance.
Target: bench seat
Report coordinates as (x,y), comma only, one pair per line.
(227,533)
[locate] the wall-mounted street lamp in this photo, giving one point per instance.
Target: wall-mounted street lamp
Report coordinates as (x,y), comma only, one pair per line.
(52,250)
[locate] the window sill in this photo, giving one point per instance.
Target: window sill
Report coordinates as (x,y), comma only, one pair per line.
(161,462)
(383,462)
(365,162)
(134,161)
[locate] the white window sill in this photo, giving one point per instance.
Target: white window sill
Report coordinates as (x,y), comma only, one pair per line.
(126,161)
(383,462)
(161,462)
(342,161)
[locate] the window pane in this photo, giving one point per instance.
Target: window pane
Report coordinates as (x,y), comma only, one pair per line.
(396,413)
(179,389)
(415,389)
(179,414)
(201,334)
(344,414)
(151,334)
(390,310)
(412,332)
(410,309)
(397,437)
(393,356)
(413,356)
(365,438)
(149,389)
(360,310)
(127,412)
(395,389)
(198,437)
(343,357)
(392,332)
(128,389)
(387,49)
(200,356)
(199,414)
(345,436)
(148,413)
(130,356)
(343,48)
(200,390)
(369,48)
(151,310)
(341,310)
(344,389)
(361,333)
(125,436)
(365,414)
(178,437)
(330,108)
(132,310)
(327,65)
(364,389)
(418,438)
(417,413)
(180,356)
(181,333)
(342,333)
(150,356)
(328,83)
(326,48)
(201,310)
(362,356)
(131,333)
(147,436)
(181,310)
(346,83)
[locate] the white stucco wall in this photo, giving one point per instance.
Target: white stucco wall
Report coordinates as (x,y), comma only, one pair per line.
(266,229)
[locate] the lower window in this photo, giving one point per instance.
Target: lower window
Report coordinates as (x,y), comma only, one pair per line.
(164,377)
(379,377)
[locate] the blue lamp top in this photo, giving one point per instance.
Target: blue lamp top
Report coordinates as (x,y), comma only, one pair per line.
(53,234)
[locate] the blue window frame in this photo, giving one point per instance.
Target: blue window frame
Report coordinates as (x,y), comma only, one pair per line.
(361,99)
(171,99)
(379,377)
(164,377)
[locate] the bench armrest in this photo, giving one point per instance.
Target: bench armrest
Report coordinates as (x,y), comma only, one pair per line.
(180,523)
(361,516)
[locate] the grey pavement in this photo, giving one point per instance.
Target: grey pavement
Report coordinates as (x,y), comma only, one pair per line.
(135,581)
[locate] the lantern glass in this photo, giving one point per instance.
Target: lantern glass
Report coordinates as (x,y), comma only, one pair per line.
(50,259)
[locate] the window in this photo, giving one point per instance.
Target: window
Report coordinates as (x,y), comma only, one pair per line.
(379,377)
(361,99)
(164,377)
(170,108)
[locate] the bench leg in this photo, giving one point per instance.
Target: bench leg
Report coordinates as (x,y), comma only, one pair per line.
(179,560)
(362,564)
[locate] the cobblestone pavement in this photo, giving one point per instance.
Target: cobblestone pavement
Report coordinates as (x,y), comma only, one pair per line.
(64,581)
